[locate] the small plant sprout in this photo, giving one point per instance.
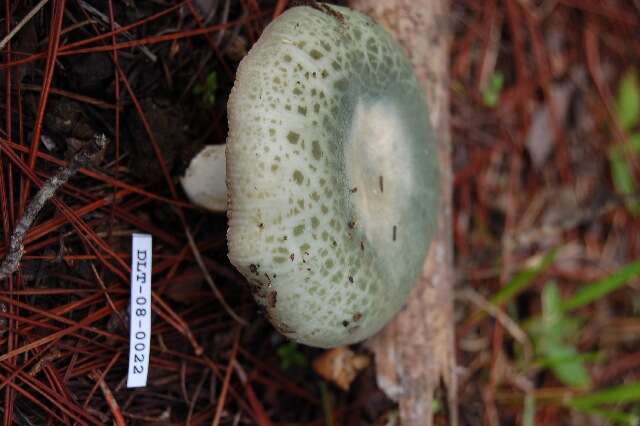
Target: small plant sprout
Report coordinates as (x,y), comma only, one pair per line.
(332,175)
(491,93)
(207,90)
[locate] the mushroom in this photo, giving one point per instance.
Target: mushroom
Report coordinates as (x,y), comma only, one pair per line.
(204,180)
(331,174)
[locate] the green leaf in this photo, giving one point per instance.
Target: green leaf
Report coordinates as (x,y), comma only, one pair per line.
(594,291)
(491,93)
(555,326)
(567,365)
(623,179)
(552,335)
(628,100)
(207,90)
(289,356)
(551,304)
(585,357)
(621,157)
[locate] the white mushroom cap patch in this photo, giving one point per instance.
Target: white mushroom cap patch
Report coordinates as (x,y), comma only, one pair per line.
(332,175)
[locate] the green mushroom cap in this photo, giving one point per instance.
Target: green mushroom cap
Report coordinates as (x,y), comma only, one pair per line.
(332,175)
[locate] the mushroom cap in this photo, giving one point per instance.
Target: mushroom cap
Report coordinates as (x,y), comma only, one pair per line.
(331,173)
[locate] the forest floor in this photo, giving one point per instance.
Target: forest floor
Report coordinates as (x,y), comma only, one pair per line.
(545,115)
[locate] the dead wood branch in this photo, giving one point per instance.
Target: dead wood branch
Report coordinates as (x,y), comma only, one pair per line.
(84,157)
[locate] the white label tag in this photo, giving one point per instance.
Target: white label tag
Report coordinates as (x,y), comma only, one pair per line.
(140,326)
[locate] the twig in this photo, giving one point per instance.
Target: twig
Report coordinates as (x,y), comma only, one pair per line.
(22,23)
(207,276)
(196,395)
(510,325)
(82,158)
(260,415)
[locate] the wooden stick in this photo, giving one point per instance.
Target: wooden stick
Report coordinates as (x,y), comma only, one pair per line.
(87,154)
(22,23)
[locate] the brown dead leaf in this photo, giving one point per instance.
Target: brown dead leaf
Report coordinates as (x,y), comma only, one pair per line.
(187,288)
(340,366)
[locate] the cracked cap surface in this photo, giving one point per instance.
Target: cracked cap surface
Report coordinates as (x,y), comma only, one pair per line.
(332,175)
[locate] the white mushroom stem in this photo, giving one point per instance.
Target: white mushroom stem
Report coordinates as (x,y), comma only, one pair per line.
(204,180)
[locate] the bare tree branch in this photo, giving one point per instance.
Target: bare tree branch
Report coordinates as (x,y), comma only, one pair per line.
(84,157)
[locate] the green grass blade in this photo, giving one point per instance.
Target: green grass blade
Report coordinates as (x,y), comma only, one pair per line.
(567,365)
(523,279)
(616,395)
(591,292)
(621,174)
(529,410)
(628,100)
(621,159)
